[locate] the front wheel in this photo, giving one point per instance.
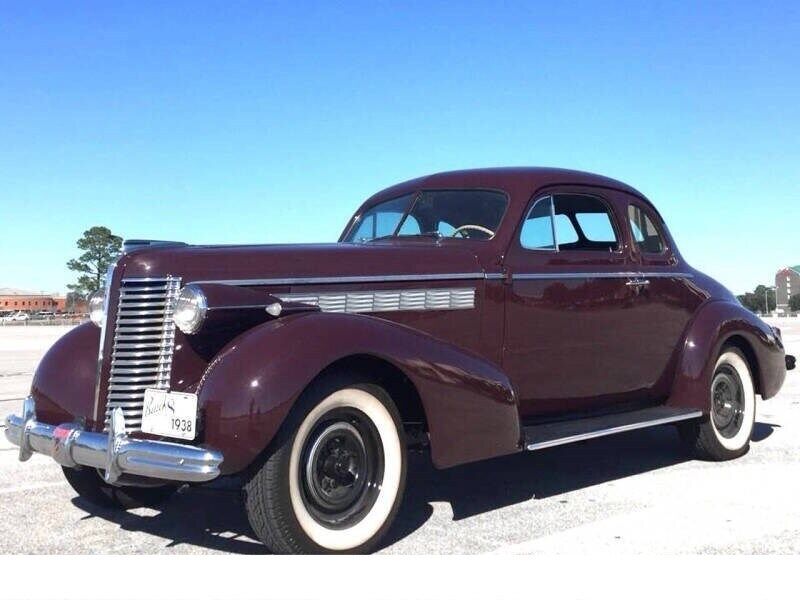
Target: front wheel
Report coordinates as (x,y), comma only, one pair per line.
(726,433)
(334,478)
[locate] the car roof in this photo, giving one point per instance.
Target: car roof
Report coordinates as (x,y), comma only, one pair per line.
(503,178)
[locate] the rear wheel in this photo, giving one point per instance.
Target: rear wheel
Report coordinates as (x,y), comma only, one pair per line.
(91,487)
(726,433)
(334,478)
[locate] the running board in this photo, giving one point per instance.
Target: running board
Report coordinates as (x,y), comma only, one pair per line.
(567,432)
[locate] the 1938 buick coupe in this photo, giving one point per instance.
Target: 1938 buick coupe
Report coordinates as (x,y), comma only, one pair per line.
(482,312)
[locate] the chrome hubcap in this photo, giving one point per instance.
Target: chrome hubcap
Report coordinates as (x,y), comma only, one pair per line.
(727,401)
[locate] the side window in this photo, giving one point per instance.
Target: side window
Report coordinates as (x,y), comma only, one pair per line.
(570,222)
(596,227)
(410,227)
(565,231)
(645,234)
(446,229)
(592,224)
(381,220)
(538,232)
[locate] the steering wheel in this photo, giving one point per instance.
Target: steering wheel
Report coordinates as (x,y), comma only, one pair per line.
(463,228)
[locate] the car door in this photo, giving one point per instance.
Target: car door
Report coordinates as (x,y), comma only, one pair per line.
(666,299)
(568,344)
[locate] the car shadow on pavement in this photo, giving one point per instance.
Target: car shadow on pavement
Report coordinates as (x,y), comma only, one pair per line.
(202,516)
(213,517)
(483,486)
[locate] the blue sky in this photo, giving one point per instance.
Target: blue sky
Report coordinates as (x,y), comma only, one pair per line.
(270,122)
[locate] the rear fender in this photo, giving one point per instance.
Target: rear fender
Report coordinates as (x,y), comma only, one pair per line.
(251,386)
(716,324)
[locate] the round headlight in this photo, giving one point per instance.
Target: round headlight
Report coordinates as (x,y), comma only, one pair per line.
(190,309)
(97,307)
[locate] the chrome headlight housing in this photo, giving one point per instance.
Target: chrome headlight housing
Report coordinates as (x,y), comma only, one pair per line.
(190,309)
(97,307)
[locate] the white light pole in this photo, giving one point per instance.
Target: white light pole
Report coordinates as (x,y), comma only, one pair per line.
(766,298)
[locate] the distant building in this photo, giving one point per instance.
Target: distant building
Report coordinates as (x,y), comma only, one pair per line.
(787,284)
(14,299)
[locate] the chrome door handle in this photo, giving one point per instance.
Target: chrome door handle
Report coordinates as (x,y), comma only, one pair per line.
(637,282)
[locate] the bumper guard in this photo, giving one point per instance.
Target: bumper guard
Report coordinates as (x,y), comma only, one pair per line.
(114,452)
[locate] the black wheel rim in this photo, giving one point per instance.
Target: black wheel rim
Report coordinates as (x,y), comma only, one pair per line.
(341,468)
(727,401)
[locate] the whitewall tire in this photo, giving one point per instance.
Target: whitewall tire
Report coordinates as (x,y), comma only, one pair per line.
(726,433)
(335,478)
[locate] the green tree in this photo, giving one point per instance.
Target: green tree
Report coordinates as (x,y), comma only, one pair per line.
(794,303)
(748,301)
(100,248)
(755,300)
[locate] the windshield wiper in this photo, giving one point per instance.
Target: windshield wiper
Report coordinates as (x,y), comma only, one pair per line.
(431,234)
(380,237)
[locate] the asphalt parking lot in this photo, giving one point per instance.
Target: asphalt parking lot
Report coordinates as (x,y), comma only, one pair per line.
(631,493)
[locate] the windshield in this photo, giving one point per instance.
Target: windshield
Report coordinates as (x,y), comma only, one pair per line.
(461,214)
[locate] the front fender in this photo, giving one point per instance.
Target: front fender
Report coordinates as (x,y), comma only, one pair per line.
(65,379)
(252,384)
(714,325)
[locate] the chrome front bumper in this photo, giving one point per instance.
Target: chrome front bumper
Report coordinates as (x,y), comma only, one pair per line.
(113,452)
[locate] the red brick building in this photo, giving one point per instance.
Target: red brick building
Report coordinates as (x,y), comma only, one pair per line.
(13,299)
(787,284)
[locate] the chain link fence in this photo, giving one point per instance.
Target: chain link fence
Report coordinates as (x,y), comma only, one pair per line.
(45,321)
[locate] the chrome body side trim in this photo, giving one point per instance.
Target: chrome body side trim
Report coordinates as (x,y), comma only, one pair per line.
(612,430)
(114,452)
(239,306)
(387,300)
(346,279)
(666,275)
(432,277)
(602,275)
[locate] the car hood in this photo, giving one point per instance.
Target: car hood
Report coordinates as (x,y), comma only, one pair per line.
(263,264)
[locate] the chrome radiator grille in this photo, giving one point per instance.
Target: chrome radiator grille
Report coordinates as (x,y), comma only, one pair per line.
(144,339)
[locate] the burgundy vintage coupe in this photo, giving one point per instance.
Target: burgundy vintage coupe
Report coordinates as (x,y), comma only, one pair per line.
(482,312)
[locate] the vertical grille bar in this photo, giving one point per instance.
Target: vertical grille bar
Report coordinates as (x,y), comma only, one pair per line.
(144,340)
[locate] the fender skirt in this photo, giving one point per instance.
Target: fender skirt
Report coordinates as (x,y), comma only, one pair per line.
(252,384)
(715,324)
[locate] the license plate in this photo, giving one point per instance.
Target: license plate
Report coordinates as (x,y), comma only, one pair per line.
(171,414)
